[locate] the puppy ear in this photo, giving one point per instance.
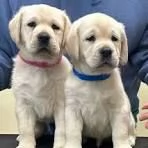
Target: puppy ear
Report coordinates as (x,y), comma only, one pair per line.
(15,27)
(67,25)
(72,42)
(124,46)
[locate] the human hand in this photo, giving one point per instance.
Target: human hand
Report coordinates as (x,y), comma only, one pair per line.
(144,116)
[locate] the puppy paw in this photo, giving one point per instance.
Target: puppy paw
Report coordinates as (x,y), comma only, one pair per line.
(18,138)
(132,141)
(26,145)
(72,146)
(123,146)
(59,144)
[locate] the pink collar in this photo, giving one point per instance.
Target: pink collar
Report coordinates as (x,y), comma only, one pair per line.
(41,64)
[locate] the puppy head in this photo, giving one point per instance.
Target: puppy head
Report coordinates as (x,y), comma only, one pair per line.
(40,29)
(98,41)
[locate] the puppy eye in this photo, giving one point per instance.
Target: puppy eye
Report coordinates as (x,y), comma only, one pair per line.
(114,38)
(32,24)
(91,38)
(55,27)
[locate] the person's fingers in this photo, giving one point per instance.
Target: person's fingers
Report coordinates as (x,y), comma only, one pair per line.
(145,106)
(146,124)
(143,116)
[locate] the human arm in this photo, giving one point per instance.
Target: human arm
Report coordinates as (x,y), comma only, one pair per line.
(7,47)
(140,60)
(140,57)
(144,116)
(5,71)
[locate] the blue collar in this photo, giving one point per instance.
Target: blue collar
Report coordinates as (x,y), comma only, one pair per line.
(86,77)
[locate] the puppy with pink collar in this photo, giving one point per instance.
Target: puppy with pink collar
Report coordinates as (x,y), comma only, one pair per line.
(39,71)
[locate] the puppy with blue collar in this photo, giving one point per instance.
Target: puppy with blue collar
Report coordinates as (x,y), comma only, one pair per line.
(96,103)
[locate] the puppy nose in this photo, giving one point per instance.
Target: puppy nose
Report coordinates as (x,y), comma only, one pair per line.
(43,37)
(106,52)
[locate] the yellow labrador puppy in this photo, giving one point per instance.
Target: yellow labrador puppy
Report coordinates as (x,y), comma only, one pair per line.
(40,70)
(96,103)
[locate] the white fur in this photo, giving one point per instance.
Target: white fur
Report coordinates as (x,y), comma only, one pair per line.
(97,109)
(39,98)
(39,91)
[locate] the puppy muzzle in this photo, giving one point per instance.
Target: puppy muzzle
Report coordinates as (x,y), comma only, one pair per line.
(106,57)
(106,53)
(43,40)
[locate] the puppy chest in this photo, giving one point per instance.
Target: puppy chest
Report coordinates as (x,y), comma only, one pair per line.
(44,108)
(43,99)
(95,120)
(47,101)
(94,114)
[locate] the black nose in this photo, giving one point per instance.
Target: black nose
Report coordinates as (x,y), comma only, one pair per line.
(106,52)
(43,38)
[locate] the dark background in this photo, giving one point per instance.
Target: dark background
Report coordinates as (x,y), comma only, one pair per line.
(9,141)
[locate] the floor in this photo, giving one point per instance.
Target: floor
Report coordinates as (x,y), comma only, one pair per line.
(9,141)
(8,121)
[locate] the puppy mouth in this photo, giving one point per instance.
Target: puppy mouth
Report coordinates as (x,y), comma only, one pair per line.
(105,63)
(44,50)
(47,51)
